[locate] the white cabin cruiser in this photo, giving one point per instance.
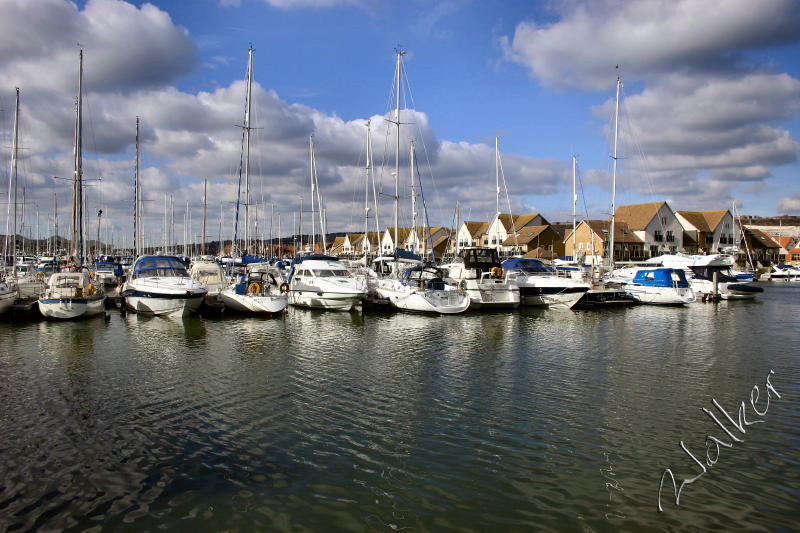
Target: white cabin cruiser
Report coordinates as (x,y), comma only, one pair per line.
(665,286)
(256,292)
(542,286)
(71,295)
(784,273)
(323,282)
(160,285)
(478,272)
(700,271)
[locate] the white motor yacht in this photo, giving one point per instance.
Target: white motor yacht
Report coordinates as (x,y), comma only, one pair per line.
(323,282)
(478,272)
(160,285)
(543,286)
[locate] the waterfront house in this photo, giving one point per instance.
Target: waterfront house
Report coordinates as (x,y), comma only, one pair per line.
(420,240)
(591,238)
(710,230)
(504,225)
(470,233)
(337,246)
(794,254)
(387,241)
(530,238)
(786,245)
(761,245)
(655,224)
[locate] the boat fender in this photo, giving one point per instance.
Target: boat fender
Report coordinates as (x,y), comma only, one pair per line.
(90,289)
(284,287)
(497,272)
(254,288)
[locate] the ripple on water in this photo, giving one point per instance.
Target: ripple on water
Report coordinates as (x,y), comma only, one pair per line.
(527,420)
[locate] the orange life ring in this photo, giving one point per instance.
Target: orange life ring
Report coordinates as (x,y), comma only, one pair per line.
(497,272)
(284,287)
(254,288)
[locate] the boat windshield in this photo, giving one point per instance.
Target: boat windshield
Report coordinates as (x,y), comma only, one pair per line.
(332,273)
(163,267)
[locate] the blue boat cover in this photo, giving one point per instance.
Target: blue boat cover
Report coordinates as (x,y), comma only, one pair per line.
(661,277)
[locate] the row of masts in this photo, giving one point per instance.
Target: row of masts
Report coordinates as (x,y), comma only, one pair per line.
(78,236)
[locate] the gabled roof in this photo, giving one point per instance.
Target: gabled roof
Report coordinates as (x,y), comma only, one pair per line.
(785,242)
(762,237)
(337,245)
(402,233)
(638,216)
(355,238)
(601,227)
(518,222)
(526,235)
(704,220)
(477,229)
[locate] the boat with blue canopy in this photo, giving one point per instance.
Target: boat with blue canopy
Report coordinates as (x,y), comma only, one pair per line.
(161,285)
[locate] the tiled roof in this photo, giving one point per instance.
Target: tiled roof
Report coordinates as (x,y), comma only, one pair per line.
(704,220)
(477,229)
(638,216)
(762,237)
(539,253)
(526,235)
(519,221)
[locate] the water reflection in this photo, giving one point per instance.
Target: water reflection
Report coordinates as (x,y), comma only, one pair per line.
(529,420)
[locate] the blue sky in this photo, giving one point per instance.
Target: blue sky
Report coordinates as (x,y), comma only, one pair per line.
(710,110)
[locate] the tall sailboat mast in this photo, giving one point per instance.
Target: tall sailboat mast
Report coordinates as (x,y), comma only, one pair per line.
(137,201)
(248,107)
(574,206)
(205,214)
(398,71)
(614,176)
(497,176)
(12,186)
(77,194)
(413,193)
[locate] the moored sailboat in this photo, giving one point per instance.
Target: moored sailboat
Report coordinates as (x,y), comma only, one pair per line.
(74,294)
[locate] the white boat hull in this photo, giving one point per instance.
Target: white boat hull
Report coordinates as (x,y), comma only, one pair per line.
(326,300)
(661,295)
(247,303)
(491,294)
(67,308)
(165,306)
(426,301)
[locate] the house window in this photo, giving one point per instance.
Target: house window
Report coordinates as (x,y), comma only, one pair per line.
(670,237)
(653,251)
(657,236)
(580,246)
(663,221)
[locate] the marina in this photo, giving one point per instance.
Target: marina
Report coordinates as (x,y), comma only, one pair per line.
(264,268)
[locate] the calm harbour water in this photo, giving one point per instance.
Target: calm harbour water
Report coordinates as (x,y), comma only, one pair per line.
(321,421)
